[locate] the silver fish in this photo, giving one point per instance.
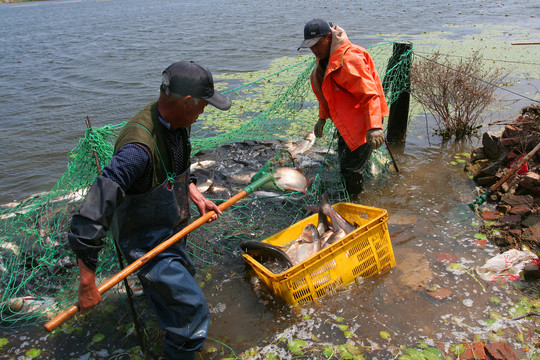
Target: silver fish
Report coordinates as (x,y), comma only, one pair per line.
(338,222)
(44,305)
(335,236)
(307,245)
(304,145)
(288,178)
(325,236)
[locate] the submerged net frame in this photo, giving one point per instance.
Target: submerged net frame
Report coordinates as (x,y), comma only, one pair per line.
(38,271)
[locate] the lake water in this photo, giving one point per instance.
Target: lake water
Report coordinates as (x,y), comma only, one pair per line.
(64,60)
(61,61)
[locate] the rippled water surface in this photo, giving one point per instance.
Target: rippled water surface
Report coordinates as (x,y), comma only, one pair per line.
(61,61)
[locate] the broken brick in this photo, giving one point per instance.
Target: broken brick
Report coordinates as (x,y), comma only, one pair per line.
(440,293)
(510,219)
(446,258)
(520,210)
(474,351)
(490,215)
(480,243)
(500,351)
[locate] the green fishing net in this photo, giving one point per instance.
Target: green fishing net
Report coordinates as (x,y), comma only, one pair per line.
(273,112)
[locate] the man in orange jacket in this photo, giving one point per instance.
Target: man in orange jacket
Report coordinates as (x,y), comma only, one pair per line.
(350,93)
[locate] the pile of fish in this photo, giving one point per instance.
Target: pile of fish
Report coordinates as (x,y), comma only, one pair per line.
(313,239)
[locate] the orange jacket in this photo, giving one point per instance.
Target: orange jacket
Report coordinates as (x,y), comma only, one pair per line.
(351,93)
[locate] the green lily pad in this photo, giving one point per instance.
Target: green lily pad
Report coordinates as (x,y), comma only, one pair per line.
(98,337)
(296,346)
(457,349)
(33,353)
(328,351)
(433,354)
(480,236)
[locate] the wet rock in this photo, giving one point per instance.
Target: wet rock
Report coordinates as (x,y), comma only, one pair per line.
(532,221)
(478,155)
(446,258)
(413,270)
(490,143)
(510,219)
(439,293)
(532,234)
(475,166)
(511,131)
(531,182)
(489,170)
(517,198)
(486,181)
(503,208)
(514,200)
(520,210)
(516,232)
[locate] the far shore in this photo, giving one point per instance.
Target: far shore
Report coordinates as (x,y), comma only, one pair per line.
(18,1)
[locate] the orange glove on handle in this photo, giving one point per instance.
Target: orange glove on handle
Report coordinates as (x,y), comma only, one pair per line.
(375,137)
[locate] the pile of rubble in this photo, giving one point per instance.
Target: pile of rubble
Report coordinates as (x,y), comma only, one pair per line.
(514,214)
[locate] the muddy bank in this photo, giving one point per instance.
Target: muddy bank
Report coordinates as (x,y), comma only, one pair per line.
(511,210)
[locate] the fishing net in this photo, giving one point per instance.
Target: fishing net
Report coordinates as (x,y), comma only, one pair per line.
(269,125)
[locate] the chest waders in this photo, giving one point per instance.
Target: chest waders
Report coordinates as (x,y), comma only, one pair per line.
(140,223)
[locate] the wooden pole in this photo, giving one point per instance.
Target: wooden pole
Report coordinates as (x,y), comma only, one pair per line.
(399,67)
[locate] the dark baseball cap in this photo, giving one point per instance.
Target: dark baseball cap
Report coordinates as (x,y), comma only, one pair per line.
(313,31)
(189,78)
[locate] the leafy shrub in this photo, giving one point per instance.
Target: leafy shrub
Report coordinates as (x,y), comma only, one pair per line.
(456,92)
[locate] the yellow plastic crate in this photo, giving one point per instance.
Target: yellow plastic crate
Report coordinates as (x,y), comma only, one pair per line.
(365,252)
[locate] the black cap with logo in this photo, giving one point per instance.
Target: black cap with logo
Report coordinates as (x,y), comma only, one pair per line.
(313,31)
(189,78)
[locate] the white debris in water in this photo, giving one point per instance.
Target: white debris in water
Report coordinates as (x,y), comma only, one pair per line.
(85,356)
(218,308)
(103,353)
(468,302)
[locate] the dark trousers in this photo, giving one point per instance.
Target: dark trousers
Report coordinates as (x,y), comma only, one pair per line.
(352,165)
(178,302)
